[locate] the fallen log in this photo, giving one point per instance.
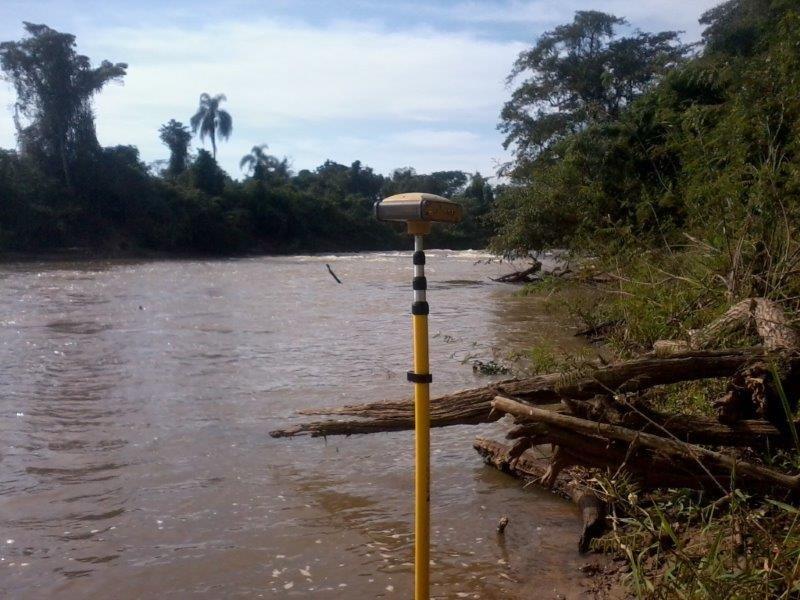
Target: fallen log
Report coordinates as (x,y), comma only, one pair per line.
(473,406)
(755,476)
(531,469)
(635,414)
(763,317)
(528,275)
(647,469)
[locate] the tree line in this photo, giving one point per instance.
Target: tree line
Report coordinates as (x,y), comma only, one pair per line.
(620,139)
(60,188)
(641,143)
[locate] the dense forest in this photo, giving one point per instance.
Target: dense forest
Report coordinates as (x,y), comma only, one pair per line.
(622,139)
(683,146)
(61,189)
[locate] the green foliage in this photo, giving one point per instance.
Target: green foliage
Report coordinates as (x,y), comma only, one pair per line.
(711,151)
(580,73)
(124,208)
(63,190)
(264,167)
(687,200)
(211,120)
(679,545)
(55,86)
(206,175)
(177,138)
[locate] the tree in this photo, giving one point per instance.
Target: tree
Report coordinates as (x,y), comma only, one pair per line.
(264,167)
(441,183)
(210,120)
(580,73)
(206,174)
(176,137)
(255,162)
(55,86)
(735,26)
(480,191)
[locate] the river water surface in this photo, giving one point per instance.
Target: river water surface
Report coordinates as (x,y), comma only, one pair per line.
(135,404)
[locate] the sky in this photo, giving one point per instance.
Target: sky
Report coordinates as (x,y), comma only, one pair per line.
(392,83)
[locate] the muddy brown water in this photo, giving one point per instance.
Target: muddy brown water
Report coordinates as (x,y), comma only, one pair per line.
(135,404)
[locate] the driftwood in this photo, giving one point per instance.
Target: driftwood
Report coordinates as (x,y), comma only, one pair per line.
(533,469)
(474,406)
(678,452)
(332,273)
(762,316)
(649,470)
(754,392)
(634,413)
(528,275)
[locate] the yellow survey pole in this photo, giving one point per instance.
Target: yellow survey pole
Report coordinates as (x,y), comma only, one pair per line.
(422,428)
(418,211)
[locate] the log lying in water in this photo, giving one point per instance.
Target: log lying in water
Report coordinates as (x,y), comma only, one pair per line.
(474,406)
(533,469)
(528,275)
(676,452)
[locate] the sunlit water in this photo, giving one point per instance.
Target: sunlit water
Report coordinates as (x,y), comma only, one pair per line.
(135,404)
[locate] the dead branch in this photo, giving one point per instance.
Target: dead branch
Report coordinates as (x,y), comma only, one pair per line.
(635,414)
(474,406)
(528,275)
(762,316)
(678,451)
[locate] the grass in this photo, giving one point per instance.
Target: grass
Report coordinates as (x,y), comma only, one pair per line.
(679,543)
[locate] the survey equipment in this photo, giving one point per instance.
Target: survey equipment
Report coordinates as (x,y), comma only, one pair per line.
(419,211)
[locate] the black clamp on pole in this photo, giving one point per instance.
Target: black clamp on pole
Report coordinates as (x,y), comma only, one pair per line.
(419,377)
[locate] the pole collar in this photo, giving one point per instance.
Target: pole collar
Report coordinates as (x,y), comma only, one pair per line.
(420,308)
(419,377)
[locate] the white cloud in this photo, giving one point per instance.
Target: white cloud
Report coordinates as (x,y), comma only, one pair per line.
(435,139)
(278,73)
(286,79)
(537,12)
(544,14)
(343,90)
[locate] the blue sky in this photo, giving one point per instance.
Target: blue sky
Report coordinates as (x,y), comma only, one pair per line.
(391,83)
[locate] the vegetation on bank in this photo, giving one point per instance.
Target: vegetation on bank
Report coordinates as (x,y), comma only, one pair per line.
(707,150)
(675,204)
(60,188)
(670,173)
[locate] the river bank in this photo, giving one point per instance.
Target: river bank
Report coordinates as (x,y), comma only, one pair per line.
(730,539)
(686,444)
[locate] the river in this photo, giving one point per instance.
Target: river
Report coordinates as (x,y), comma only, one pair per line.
(136,399)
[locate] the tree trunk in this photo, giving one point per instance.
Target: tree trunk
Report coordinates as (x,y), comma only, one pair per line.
(473,406)
(681,452)
(764,317)
(65,165)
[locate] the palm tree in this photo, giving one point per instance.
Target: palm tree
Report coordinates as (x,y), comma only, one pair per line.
(211,120)
(255,162)
(262,165)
